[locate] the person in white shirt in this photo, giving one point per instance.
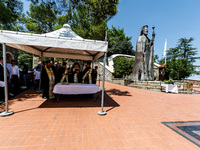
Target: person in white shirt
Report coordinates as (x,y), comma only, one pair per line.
(36,78)
(15,76)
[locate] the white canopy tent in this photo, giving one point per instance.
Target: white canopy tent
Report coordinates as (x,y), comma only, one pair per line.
(62,43)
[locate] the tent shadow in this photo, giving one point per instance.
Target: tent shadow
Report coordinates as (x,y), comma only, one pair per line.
(25,110)
(25,95)
(79,101)
(118,92)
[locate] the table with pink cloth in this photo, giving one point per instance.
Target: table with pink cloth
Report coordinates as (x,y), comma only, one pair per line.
(170,88)
(2,84)
(76,88)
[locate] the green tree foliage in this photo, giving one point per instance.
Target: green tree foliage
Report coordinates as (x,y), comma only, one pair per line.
(156,58)
(180,59)
(25,57)
(41,18)
(186,49)
(100,10)
(121,47)
(173,53)
(58,5)
(88,18)
(86,26)
(161,61)
(119,43)
(179,68)
(91,16)
(10,10)
(183,50)
(122,66)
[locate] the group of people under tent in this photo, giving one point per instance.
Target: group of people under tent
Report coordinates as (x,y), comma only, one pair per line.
(73,74)
(14,76)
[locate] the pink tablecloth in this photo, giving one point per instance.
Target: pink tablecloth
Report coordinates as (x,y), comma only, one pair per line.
(76,88)
(2,84)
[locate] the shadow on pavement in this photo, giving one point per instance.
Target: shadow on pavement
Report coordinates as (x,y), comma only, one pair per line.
(79,101)
(26,95)
(118,92)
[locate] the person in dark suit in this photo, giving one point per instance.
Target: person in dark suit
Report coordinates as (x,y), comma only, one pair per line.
(89,74)
(61,72)
(54,70)
(76,76)
(24,74)
(139,74)
(163,74)
(2,92)
(1,69)
(1,78)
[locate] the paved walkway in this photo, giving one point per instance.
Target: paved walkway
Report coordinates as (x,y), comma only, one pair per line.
(133,121)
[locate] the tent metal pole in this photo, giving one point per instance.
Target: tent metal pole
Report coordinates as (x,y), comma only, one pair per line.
(33,62)
(40,91)
(6,112)
(102,113)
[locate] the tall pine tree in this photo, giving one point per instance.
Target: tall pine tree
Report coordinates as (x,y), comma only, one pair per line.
(180,59)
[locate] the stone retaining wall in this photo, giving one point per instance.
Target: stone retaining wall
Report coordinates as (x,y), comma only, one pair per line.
(152,85)
(119,81)
(108,74)
(183,87)
(194,82)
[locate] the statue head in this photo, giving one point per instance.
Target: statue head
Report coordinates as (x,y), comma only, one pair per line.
(144,30)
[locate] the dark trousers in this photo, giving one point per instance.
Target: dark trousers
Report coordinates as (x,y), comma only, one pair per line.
(14,84)
(163,78)
(24,78)
(36,84)
(45,91)
(139,78)
(2,93)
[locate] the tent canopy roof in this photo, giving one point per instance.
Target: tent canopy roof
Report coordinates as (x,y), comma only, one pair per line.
(62,43)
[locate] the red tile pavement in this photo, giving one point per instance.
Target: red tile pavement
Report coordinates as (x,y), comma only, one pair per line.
(133,121)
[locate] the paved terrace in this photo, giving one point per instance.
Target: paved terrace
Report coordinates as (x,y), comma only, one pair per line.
(133,121)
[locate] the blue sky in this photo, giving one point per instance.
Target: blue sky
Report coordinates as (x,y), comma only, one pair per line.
(173,19)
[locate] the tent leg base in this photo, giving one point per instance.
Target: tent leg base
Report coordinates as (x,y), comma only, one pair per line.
(8,113)
(101,113)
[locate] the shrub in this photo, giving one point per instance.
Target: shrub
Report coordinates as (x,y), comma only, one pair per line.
(122,66)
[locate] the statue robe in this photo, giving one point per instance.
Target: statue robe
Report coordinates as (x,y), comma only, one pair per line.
(143,59)
(140,57)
